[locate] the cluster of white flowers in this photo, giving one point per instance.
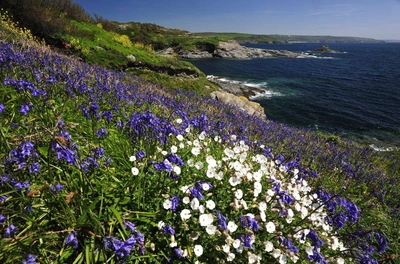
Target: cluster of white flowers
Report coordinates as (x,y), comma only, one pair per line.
(251,187)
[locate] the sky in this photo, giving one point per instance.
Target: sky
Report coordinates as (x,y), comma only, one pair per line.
(379,19)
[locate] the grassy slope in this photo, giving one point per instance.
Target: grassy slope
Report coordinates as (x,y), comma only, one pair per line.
(333,160)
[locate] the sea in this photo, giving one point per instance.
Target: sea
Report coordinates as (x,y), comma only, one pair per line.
(354,93)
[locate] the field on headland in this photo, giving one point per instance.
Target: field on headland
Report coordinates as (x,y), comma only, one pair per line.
(101,166)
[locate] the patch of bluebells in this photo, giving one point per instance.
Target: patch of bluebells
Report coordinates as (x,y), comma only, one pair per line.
(24,156)
(2,107)
(30,259)
(123,249)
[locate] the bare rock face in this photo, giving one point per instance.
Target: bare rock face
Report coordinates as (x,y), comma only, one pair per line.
(252,108)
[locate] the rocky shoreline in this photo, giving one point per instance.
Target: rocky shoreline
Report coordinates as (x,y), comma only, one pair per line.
(233,50)
(238,94)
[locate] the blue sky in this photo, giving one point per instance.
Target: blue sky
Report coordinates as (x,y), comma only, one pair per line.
(378,19)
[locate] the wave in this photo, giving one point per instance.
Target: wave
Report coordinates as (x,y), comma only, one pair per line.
(382,149)
(265,95)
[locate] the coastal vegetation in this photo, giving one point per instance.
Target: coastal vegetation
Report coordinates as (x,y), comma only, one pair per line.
(99,165)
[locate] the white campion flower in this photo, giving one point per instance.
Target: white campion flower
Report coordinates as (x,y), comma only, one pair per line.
(174,149)
(195,151)
(132,158)
(211,161)
(202,209)
(198,250)
(211,173)
(206,219)
(167,204)
(233,181)
(178,121)
(340,260)
(269,246)
(181,145)
(226,248)
(179,137)
(282,259)
(253,258)
(202,135)
(257,188)
(211,230)
(210,204)
(236,244)
(199,165)
(185,214)
(177,169)
(276,253)
(194,204)
(270,227)
(186,200)
(237,166)
(135,171)
(229,153)
(161,224)
(232,227)
(230,257)
(262,206)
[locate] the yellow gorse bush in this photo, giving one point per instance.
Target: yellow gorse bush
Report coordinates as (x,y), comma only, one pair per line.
(123,39)
(7,24)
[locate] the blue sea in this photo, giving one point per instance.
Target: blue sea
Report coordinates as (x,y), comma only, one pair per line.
(354,93)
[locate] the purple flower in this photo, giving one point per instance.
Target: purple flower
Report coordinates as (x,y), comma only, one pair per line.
(34,168)
(3,198)
(56,188)
(121,249)
(140,154)
(174,202)
(72,240)
(98,153)
(30,259)
(177,252)
(25,108)
(11,231)
(221,220)
(247,240)
(2,219)
(2,108)
(168,230)
(316,242)
(165,165)
(382,242)
(101,133)
(131,226)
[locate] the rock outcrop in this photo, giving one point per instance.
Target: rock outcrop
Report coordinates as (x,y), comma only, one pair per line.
(233,50)
(325,49)
(252,108)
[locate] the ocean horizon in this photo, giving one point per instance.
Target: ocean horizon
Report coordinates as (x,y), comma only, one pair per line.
(354,93)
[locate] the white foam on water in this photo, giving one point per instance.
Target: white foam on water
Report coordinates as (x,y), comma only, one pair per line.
(266,95)
(381,149)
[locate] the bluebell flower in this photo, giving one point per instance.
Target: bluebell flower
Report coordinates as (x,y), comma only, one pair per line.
(34,168)
(317,257)
(168,230)
(3,219)
(196,192)
(173,158)
(72,240)
(25,108)
(56,188)
(164,165)
(3,198)
(131,226)
(30,259)
(221,220)
(177,252)
(11,230)
(381,241)
(2,108)
(247,240)
(98,153)
(101,133)
(120,248)
(316,242)
(140,154)
(174,202)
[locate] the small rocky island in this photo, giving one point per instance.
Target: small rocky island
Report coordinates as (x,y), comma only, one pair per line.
(325,49)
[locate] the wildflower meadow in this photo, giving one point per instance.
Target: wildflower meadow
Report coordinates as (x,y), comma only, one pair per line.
(99,166)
